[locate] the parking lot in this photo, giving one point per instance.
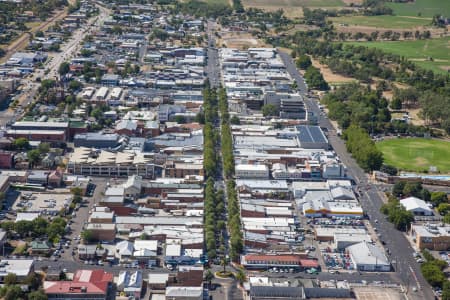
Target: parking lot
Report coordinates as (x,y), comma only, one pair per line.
(45,203)
(337,261)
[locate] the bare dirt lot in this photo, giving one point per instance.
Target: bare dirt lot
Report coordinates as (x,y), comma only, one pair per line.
(239,40)
(293,8)
(329,76)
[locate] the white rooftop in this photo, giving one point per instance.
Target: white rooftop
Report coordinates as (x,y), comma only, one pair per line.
(413,203)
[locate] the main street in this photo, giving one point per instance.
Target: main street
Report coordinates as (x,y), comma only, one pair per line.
(228,287)
(371,199)
(212,68)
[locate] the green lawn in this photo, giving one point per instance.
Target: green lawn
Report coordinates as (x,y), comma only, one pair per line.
(285,4)
(418,51)
(217,1)
(391,22)
(426,8)
(416,154)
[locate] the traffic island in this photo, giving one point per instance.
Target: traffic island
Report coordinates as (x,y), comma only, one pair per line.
(223,275)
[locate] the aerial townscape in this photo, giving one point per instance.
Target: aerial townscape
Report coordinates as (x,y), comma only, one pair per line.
(224,149)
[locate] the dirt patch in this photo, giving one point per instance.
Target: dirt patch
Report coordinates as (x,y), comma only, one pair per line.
(291,12)
(239,40)
(415,119)
(329,76)
(388,95)
(421,161)
(287,50)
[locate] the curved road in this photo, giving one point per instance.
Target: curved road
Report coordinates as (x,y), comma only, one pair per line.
(371,200)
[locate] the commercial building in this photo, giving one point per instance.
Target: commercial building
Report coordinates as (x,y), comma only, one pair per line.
(266,261)
(417,206)
(184,293)
(366,256)
(116,93)
(262,186)
(249,171)
(431,236)
(110,79)
(19,267)
(96,140)
(312,137)
(47,126)
(51,132)
(101,93)
(86,284)
(102,231)
(84,161)
(337,202)
(26,58)
(47,136)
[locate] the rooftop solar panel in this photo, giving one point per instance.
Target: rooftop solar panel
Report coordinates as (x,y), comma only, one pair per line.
(310,134)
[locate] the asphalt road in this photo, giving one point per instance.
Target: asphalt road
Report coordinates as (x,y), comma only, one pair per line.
(212,68)
(68,50)
(407,269)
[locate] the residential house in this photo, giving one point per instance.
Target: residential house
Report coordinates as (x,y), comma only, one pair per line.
(124,250)
(40,248)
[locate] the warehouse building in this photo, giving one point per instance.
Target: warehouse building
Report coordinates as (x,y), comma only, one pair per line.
(366,256)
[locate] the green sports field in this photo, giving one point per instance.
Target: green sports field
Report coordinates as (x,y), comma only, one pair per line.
(416,154)
(424,8)
(418,51)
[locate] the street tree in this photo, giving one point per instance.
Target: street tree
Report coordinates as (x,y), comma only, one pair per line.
(10,279)
(64,68)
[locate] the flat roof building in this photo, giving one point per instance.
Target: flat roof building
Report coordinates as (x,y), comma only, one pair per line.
(20,267)
(312,137)
(250,171)
(96,140)
(101,93)
(431,236)
(368,257)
